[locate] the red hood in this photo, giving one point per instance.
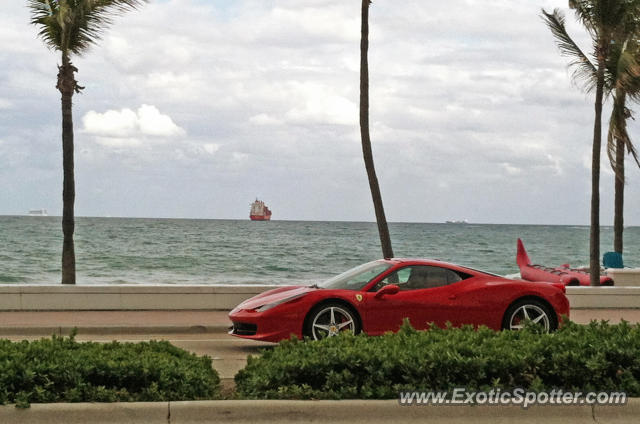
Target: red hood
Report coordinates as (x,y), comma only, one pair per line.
(274,295)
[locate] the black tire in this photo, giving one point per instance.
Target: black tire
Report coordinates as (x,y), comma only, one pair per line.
(320,315)
(533,308)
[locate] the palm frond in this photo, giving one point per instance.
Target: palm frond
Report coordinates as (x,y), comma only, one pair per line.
(618,131)
(606,19)
(631,149)
(72,26)
(95,16)
(611,67)
(586,14)
(584,71)
(42,15)
(628,73)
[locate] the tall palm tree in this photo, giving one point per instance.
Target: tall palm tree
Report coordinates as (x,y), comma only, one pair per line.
(625,78)
(71,27)
(383,228)
(604,20)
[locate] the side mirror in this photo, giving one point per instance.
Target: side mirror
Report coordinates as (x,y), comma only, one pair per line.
(388,289)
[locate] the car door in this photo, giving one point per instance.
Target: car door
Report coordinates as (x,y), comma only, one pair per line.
(427,294)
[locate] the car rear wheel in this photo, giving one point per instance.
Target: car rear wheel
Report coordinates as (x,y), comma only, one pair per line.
(331,319)
(529,309)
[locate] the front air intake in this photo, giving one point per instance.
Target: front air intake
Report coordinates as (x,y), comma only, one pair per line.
(244,329)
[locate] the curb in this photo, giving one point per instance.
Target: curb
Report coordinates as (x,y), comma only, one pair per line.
(284,411)
(116,329)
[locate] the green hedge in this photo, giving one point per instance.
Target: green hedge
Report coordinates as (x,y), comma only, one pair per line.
(597,356)
(63,370)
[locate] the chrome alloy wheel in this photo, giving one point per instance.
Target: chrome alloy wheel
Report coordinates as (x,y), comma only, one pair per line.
(330,321)
(527,311)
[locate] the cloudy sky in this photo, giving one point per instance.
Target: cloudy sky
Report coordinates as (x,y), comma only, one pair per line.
(192,108)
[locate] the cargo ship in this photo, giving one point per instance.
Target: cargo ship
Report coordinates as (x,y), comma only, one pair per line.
(38,212)
(259,211)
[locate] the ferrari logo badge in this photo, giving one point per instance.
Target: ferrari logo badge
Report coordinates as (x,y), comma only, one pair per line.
(359,297)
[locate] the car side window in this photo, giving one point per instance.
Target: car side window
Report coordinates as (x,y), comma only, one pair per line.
(363,278)
(420,277)
(454,277)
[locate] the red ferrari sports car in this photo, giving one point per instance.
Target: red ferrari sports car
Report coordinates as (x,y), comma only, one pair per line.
(375,298)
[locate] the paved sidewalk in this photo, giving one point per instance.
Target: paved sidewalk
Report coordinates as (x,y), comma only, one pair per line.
(21,322)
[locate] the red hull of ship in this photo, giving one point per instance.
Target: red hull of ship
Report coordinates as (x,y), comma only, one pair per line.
(260,217)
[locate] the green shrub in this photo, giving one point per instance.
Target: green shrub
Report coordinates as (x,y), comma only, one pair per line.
(598,356)
(62,370)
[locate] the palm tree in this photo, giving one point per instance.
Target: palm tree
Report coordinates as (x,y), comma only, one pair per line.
(383,229)
(604,20)
(71,27)
(625,78)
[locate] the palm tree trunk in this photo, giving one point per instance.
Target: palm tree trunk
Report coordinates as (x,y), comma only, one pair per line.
(594,240)
(67,86)
(381,219)
(618,216)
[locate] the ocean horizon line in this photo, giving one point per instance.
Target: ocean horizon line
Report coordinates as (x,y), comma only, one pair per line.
(443,222)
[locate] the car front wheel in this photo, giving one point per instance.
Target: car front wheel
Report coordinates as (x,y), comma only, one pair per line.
(331,319)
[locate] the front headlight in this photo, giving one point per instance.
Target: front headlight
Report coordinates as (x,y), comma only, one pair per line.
(268,306)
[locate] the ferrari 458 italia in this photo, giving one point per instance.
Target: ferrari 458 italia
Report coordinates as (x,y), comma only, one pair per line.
(377,296)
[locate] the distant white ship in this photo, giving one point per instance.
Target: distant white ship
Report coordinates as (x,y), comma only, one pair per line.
(462,221)
(38,212)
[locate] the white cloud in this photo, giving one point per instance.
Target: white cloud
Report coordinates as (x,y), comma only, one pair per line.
(168,80)
(125,124)
(316,103)
(511,170)
(152,122)
(5,104)
(118,142)
(264,119)
(211,148)
(112,123)
(239,157)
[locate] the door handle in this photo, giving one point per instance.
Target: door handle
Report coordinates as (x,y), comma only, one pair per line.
(452,297)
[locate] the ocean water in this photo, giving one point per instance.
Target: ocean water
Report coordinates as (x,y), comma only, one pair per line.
(174,251)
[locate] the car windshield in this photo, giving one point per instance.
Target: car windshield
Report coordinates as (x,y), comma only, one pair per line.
(356,278)
(484,272)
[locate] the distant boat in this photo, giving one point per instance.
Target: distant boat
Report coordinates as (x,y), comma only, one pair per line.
(463,221)
(38,212)
(259,211)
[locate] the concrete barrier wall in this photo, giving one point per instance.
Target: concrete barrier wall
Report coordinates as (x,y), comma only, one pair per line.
(220,297)
(604,297)
(625,276)
(124,297)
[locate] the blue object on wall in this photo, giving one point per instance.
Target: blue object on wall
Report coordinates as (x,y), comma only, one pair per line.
(612,260)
